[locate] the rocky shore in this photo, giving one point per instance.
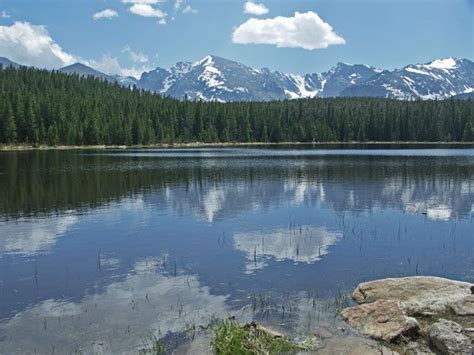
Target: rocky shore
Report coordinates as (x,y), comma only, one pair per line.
(415,315)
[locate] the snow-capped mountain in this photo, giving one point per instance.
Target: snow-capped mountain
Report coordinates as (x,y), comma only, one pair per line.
(343,75)
(213,78)
(218,79)
(439,79)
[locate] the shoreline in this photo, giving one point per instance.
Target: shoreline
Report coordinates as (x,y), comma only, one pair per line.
(24,147)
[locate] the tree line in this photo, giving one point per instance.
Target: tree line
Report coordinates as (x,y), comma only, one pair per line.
(48,107)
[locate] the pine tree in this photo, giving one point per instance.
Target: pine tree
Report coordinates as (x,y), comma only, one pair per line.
(8,126)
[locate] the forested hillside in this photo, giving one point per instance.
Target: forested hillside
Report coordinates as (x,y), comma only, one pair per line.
(42,107)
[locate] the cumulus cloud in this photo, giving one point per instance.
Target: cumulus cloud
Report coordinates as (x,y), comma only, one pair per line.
(189,10)
(146,10)
(135,57)
(255,9)
(303,30)
(109,64)
(162,22)
(4,14)
(30,44)
(105,14)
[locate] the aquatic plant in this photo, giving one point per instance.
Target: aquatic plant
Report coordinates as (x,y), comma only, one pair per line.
(232,338)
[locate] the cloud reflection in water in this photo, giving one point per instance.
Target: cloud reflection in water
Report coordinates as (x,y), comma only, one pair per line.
(116,320)
(300,245)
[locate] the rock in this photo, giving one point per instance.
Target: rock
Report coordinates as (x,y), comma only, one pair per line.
(269,332)
(465,306)
(424,295)
(323,333)
(260,328)
(448,337)
(470,333)
(382,319)
(416,348)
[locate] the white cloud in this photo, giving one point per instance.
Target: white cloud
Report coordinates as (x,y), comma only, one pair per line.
(30,44)
(162,22)
(111,65)
(189,10)
(4,14)
(177,4)
(148,2)
(255,9)
(135,57)
(146,11)
(105,14)
(303,30)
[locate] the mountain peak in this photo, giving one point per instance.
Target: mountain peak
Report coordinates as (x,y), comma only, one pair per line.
(84,70)
(446,63)
(77,65)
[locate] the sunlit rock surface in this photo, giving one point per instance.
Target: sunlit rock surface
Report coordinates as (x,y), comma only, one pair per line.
(382,319)
(420,294)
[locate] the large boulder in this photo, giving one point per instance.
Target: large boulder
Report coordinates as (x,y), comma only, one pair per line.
(448,338)
(424,295)
(382,319)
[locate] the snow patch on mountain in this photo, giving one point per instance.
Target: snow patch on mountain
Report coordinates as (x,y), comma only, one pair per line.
(446,64)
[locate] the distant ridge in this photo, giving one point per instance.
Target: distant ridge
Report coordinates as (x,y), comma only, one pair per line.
(84,70)
(5,63)
(214,78)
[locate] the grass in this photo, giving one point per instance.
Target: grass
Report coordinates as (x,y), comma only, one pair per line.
(152,346)
(232,338)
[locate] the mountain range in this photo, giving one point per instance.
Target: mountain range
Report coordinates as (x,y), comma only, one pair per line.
(218,79)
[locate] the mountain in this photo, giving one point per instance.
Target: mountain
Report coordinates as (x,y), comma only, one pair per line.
(439,79)
(215,78)
(465,96)
(5,63)
(84,70)
(220,79)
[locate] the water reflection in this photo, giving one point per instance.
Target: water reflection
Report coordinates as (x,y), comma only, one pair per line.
(302,244)
(121,317)
(41,183)
(86,238)
(31,236)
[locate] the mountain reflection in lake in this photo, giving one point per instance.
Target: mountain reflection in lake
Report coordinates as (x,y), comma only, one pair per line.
(101,250)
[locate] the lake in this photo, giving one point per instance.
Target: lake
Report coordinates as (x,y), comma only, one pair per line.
(104,250)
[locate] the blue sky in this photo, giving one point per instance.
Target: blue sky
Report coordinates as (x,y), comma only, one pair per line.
(382,33)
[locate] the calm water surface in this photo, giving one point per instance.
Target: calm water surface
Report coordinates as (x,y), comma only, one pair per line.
(102,250)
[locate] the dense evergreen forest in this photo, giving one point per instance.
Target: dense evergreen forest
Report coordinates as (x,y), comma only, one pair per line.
(43,107)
